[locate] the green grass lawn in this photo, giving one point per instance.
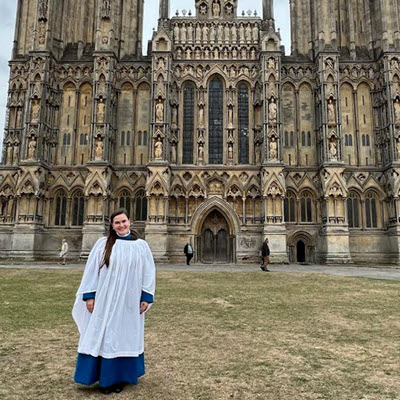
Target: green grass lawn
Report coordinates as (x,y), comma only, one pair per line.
(215,336)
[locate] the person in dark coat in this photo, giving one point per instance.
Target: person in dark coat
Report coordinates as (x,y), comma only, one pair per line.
(265,255)
(188,250)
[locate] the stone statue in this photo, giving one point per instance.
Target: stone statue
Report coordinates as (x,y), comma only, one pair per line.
(158,149)
(233,33)
(241,32)
(333,149)
(216,9)
(212,33)
(273,149)
(396,106)
(183,33)
(190,33)
(35,111)
(258,154)
(176,33)
(271,63)
(205,32)
(173,153)
(331,112)
(100,111)
(230,151)
(255,33)
(18,122)
(159,111)
(227,32)
(248,33)
(272,110)
(32,148)
(198,33)
(174,118)
(98,151)
(201,151)
(220,33)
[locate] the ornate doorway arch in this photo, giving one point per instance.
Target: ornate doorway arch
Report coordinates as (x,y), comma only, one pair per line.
(218,216)
(301,248)
(215,243)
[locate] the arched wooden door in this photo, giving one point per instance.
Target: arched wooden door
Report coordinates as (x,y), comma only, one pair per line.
(215,243)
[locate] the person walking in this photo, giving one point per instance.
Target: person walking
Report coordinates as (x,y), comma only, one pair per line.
(265,252)
(117,289)
(188,250)
(64,251)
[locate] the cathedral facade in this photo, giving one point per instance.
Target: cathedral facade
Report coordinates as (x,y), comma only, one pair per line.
(215,137)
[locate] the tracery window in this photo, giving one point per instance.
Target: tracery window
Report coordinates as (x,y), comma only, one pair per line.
(84,139)
(353,210)
(371,217)
(306,207)
(365,140)
(348,140)
(61,208)
(243,110)
(78,207)
(140,206)
(216,128)
(125,201)
(188,124)
(290,207)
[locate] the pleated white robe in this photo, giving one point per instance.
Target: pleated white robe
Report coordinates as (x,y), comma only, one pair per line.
(116,327)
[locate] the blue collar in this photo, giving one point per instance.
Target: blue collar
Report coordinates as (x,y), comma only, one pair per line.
(127,237)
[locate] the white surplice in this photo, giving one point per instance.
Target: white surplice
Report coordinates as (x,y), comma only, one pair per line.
(115,328)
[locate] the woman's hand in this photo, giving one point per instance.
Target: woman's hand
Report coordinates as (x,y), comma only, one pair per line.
(90,305)
(143,307)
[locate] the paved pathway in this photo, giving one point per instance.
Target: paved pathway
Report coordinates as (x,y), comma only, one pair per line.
(373,272)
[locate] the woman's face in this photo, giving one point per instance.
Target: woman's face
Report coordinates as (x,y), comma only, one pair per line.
(121,224)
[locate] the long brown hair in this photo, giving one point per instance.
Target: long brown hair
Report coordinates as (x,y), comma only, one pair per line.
(112,237)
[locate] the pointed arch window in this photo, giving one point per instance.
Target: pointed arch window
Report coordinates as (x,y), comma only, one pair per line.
(139,140)
(125,201)
(78,206)
(145,138)
(216,124)
(188,123)
(371,217)
(306,207)
(290,207)
(243,110)
(353,210)
(61,208)
(140,206)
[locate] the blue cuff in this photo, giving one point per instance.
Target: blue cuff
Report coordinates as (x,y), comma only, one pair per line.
(88,296)
(147,297)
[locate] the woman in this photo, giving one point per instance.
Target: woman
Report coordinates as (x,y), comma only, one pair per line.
(117,288)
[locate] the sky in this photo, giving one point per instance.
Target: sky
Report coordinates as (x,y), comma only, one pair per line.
(8,13)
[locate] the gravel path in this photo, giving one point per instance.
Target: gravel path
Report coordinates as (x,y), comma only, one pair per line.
(373,272)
